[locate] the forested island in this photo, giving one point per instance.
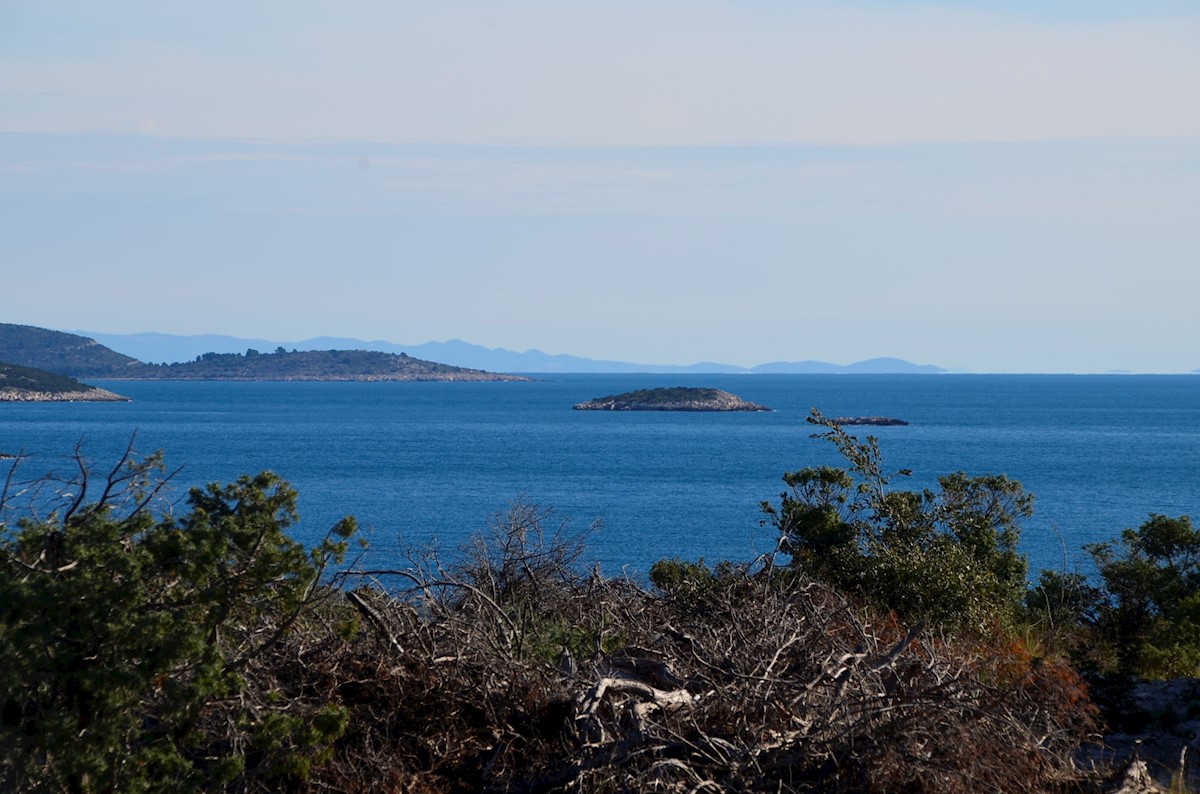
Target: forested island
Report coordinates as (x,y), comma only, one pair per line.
(313,365)
(891,642)
(26,384)
(671,399)
(77,356)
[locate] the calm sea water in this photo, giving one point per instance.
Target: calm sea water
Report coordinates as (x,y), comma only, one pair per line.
(423,461)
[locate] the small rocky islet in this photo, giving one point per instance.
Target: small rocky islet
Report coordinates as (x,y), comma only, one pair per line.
(678,398)
(873,421)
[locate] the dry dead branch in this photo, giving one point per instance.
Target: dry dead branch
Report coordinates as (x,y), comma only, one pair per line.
(775,685)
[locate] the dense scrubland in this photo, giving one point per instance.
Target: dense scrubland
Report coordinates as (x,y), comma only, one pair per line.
(892,642)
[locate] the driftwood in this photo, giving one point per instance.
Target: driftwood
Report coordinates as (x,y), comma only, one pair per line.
(1135,778)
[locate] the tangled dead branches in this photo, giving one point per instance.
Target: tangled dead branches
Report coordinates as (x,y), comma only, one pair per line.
(524,677)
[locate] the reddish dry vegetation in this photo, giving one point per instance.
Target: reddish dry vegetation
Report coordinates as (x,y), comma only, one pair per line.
(514,674)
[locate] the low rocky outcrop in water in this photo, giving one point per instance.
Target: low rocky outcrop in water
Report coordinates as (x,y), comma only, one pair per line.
(86,395)
(877,421)
(672,399)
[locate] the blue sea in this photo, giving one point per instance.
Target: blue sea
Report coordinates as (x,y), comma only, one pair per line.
(432,462)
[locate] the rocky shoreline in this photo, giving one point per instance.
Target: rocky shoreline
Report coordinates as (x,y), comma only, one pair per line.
(88,395)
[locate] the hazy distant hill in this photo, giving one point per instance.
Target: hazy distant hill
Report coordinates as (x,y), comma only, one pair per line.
(168,348)
(872,366)
(63,353)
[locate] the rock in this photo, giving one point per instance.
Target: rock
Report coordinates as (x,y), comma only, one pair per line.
(878,421)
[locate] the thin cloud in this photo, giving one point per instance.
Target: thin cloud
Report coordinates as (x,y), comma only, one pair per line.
(631,74)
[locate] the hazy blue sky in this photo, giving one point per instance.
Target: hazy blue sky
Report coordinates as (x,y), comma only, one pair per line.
(1001,186)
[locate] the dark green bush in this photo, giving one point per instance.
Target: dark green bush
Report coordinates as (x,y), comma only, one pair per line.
(1149,604)
(947,555)
(128,634)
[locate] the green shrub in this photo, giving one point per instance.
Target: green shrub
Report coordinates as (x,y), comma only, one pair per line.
(947,555)
(127,635)
(1149,604)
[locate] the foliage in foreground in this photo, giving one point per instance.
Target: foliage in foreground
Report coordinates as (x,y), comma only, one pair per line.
(1142,616)
(137,648)
(143,650)
(947,555)
(1149,606)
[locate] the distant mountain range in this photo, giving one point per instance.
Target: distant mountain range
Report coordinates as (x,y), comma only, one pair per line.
(170,348)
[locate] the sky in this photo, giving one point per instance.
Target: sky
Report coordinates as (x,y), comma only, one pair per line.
(994,186)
